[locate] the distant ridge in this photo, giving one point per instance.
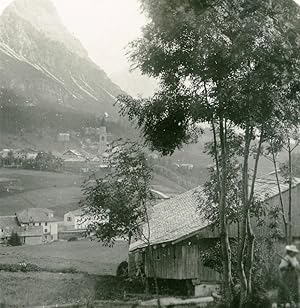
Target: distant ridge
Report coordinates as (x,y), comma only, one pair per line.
(43,63)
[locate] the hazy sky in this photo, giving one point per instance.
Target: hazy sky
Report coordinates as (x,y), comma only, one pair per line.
(103,26)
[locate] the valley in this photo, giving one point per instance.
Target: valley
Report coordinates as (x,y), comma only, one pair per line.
(61,191)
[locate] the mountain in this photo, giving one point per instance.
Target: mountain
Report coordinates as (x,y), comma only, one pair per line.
(46,67)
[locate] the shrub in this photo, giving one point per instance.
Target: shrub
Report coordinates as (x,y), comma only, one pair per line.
(122,270)
(14,240)
(69,270)
(21,267)
(259,299)
(73,238)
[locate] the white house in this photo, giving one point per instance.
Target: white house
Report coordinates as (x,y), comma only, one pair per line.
(30,153)
(77,220)
(40,217)
(73,155)
(187,166)
(63,137)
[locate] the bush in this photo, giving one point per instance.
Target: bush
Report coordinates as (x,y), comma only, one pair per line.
(259,299)
(21,267)
(73,238)
(14,240)
(69,270)
(122,270)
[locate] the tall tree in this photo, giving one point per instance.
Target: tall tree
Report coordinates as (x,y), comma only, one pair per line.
(116,200)
(228,63)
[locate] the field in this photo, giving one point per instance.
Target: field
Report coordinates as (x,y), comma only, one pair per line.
(38,288)
(58,191)
(85,255)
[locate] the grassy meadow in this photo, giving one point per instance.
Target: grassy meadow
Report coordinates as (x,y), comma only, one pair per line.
(43,288)
(96,264)
(58,191)
(84,255)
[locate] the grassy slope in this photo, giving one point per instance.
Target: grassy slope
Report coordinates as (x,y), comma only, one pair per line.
(86,256)
(58,191)
(38,288)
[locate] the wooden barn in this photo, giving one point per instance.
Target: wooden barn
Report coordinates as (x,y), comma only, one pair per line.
(179,235)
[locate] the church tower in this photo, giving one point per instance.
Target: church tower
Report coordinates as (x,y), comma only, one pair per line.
(102,140)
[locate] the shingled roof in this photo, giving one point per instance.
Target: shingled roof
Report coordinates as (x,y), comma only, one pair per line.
(177,218)
(8,224)
(36,215)
(78,212)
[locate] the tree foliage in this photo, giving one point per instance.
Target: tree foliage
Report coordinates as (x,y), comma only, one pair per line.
(117,201)
(233,51)
(233,64)
(14,240)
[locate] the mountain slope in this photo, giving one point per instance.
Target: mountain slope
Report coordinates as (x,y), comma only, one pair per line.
(42,62)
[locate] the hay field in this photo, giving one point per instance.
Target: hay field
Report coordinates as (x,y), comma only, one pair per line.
(84,255)
(57,191)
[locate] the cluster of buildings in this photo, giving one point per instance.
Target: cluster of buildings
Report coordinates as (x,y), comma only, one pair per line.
(90,154)
(83,161)
(39,225)
(26,153)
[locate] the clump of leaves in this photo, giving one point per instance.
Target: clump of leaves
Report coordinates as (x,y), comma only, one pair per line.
(117,201)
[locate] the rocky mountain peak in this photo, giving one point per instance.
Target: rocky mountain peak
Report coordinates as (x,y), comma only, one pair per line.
(42,63)
(43,16)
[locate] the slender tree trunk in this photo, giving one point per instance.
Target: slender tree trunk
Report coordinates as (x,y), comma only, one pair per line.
(244,226)
(151,260)
(250,233)
(290,237)
(154,274)
(280,196)
(224,237)
(245,261)
(250,254)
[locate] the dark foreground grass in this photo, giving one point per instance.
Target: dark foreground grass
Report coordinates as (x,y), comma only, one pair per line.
(28,289)
(43,288)
(116,288)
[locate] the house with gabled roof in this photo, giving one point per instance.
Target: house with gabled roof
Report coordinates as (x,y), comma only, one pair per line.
(79,160)
(179,234)
(73,155)
(8,224)
(30,153)
(76,220)
(40,217)
(29,235)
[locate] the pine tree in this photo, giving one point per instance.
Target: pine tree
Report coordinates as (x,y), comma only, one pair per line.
(14,240)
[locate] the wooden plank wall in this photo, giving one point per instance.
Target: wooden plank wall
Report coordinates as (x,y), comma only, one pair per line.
(180,262)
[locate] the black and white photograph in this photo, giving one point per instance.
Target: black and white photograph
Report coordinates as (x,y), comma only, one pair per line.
(150,153)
